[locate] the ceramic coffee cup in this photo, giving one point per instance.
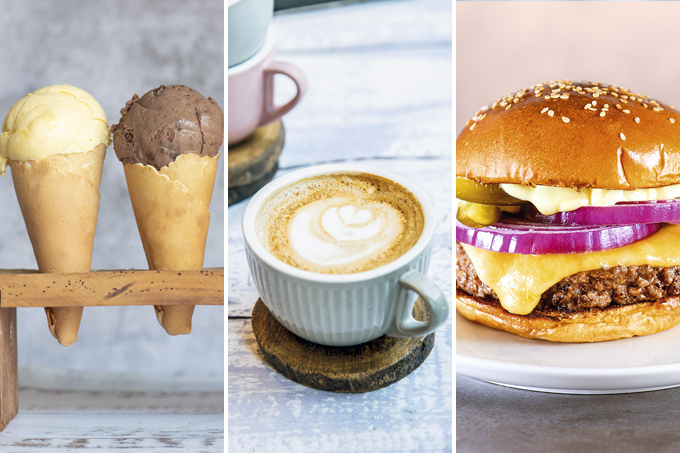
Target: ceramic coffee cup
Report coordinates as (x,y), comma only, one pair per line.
(351,308)
(251,91)
(248,24)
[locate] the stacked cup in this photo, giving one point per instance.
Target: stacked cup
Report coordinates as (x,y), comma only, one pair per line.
(252,68)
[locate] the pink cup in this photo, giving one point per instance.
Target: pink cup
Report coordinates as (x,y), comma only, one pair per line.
(251,91)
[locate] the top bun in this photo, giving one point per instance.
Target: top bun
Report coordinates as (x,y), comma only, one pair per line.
(572,134)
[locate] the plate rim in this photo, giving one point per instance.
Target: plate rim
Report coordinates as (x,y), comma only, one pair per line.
(565,379)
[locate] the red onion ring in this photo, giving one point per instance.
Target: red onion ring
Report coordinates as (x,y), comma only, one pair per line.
(619,214)
(532,238)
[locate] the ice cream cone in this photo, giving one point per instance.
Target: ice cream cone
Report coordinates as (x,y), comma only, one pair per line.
(171,209)
(59,199)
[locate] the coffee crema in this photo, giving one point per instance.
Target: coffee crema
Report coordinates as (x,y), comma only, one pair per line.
(340,224)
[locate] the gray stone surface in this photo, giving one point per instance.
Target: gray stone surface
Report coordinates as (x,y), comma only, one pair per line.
(501,47)
(493,418)
(113,49)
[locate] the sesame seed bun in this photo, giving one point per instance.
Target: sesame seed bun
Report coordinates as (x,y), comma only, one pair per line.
(580,327)
(573,134)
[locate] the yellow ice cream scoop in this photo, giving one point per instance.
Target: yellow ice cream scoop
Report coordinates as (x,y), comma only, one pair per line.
(58,119)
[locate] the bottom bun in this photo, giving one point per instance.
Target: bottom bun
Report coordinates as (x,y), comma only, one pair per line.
(580,327)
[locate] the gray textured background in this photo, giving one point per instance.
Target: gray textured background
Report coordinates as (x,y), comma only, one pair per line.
(113,49)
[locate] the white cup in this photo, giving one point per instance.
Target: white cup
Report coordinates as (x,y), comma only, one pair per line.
(346,309)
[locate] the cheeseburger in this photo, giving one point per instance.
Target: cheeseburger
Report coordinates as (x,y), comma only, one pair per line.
(567,199)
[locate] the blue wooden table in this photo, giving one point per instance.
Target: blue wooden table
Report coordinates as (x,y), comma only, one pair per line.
(380,79)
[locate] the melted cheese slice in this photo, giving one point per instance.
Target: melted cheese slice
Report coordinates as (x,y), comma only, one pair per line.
(550,200)
(519,280)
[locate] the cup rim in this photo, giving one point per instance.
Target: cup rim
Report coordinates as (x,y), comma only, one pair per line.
(258,200)
(259,56)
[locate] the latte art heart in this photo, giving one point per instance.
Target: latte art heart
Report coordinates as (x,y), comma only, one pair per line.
(347,224)
(340,224)
(331,232)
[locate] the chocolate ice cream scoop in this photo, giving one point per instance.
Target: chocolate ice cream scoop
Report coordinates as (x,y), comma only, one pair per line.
(166,122)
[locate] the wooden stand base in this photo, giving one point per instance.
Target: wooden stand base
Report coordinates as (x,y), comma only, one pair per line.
(9,380)
(253,162)
(351,369)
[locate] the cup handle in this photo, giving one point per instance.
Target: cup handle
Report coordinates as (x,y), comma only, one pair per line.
(271,111)
(405,325)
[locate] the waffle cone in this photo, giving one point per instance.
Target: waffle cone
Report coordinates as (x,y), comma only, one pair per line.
(171,209)
(59,199)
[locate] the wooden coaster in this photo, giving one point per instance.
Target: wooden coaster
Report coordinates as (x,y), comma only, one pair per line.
(254,157)
(238,194)
(351,369)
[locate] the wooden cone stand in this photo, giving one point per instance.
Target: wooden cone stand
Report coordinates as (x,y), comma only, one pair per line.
(9,379)
(29,288)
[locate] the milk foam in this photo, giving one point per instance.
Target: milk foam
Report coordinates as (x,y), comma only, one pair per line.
(340,224)
(335,231)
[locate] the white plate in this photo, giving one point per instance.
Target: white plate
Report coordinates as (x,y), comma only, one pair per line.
(623,366)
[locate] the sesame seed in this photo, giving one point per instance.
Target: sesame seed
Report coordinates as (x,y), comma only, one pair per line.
(602,113)
(594,103)
(550,113)
(587,106)
(547,97)
(637,120)
(672,120)
(508,107)
(473,126)
(623,137)
(565,119)
(545,110)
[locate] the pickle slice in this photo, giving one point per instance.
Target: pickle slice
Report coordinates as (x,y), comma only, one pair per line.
(489,194)
(477,215)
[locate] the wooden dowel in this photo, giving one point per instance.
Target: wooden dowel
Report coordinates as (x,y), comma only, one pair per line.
(29,288)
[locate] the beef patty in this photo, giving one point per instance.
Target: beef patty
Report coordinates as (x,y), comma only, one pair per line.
(598,288)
